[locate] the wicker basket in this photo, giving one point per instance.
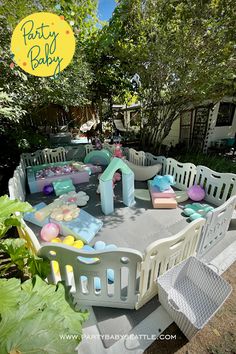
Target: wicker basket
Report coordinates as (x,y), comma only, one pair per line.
(192,293)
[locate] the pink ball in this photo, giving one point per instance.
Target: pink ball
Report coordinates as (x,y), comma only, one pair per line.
(196,193)
(49,232)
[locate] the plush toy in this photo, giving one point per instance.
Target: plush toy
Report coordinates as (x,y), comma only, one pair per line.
(48,189)
(163,182)
(197,210)
(118,151)
(49,232)
(196,193)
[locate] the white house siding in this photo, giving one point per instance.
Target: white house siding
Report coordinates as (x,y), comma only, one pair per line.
(173,136)
(217,133)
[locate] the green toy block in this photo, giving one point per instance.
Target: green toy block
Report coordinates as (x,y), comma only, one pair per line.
(63,186)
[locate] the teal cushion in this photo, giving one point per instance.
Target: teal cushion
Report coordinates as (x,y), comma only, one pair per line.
(63,186)
(197,210)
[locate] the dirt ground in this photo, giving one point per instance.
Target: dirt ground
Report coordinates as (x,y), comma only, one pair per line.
(218,337)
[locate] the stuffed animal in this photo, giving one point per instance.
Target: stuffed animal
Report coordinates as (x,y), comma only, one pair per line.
(118,151)
(163,182)
(197,210)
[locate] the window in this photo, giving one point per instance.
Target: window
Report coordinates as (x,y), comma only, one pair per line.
(200,127)
(186,120)
(225,114)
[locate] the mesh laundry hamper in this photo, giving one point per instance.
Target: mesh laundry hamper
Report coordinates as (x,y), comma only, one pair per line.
(192,293)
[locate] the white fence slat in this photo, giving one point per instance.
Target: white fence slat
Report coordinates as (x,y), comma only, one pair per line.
(110,259)
(183,173)
(162,254)
(219,187)
(217,224)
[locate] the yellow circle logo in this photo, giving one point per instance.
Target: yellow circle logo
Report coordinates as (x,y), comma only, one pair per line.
(43,44)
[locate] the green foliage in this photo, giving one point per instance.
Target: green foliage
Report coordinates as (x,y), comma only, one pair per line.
(16,249)
(34,315)
(20,256)
(8,109)
(8,208)
(216,163)
(26,139)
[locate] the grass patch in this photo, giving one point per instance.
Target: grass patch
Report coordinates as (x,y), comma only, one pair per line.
(226,345)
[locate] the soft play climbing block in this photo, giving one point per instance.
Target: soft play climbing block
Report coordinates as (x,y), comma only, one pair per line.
(84,227)
(63,186)
(164,203)
(156,193)
(30,216)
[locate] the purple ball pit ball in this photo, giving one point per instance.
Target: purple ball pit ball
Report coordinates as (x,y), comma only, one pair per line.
(49,232)
(47,190)
(196,193)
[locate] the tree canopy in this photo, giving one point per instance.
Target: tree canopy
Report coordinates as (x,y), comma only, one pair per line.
(183,52)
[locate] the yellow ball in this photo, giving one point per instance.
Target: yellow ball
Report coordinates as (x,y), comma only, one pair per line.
(69,269)
(78,244)
(56,240)
(69,240)
(55,266)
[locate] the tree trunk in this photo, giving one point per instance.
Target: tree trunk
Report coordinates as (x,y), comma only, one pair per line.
(100,113)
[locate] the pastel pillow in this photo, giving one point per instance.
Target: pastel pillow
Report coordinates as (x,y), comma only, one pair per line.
(197,210)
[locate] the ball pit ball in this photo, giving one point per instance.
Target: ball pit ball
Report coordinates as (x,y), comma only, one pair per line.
(68,240)
(78,244)
(49,232)
(48,189)
(196,193)
(56,240)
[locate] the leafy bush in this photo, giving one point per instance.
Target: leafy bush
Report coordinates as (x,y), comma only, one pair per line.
(8,210)
(18,255)
(216,163)
(34,316)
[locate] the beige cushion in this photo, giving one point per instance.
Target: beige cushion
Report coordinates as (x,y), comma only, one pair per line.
(143,173)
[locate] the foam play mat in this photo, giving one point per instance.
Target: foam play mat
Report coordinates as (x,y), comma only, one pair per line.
(142,194)
(181,196)
(84,227)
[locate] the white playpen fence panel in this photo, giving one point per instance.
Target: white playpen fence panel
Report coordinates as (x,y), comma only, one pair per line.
(217,224)
(151,160)
(163,254)
(16,185)
(137,157)
(22,172)
(84,291)
(183,173)
(219,187)
(54,155)
(74,153)
(33,159)
(29,236)
(109,147)
(126,152)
